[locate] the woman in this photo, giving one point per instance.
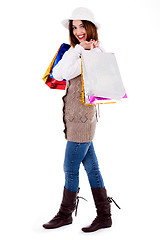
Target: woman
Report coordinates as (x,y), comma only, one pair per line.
(80,123)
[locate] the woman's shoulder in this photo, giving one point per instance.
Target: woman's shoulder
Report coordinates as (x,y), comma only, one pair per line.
(76,50)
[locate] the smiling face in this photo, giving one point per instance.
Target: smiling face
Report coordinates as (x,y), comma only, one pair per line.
(79,30)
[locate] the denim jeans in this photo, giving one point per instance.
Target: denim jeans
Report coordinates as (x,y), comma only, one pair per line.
(75,154)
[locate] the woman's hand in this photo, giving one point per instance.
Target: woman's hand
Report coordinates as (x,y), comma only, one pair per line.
(87,45)
(95,44)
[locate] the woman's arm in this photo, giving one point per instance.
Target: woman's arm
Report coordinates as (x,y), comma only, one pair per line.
(70,64)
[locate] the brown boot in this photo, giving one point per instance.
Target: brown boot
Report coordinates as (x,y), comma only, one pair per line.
(102,203)
(64,216)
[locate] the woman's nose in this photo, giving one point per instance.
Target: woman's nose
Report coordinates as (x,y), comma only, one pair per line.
(79,31)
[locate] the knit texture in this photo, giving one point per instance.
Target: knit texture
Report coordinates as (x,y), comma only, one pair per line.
(79,119)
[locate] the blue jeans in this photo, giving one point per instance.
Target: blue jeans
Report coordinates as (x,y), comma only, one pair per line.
(75,154)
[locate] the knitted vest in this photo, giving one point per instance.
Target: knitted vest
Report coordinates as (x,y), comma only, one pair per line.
(79,119)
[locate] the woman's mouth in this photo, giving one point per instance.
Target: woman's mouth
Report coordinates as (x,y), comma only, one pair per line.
(81,36)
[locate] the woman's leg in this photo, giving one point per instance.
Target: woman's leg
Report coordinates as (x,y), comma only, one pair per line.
(74,155)
(91,166)
(103,219)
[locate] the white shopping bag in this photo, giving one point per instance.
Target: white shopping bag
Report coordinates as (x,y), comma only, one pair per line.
(101,76)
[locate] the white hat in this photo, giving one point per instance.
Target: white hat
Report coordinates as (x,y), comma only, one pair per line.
(81,13)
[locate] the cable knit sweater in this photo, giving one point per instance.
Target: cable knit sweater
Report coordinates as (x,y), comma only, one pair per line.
(79,119)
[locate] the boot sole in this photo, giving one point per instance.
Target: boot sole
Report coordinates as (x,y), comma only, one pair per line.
(56,227)
(95,229)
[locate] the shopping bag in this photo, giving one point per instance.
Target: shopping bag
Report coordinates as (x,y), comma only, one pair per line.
(101,80)
(48,78)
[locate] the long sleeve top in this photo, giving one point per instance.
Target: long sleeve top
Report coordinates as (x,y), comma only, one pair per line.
(70,65)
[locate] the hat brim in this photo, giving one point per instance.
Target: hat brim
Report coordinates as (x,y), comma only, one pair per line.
(65,23)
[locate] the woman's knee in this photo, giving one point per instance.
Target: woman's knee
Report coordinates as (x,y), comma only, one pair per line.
(90,168)
(90,162)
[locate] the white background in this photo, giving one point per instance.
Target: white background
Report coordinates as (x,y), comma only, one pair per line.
(32,141)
